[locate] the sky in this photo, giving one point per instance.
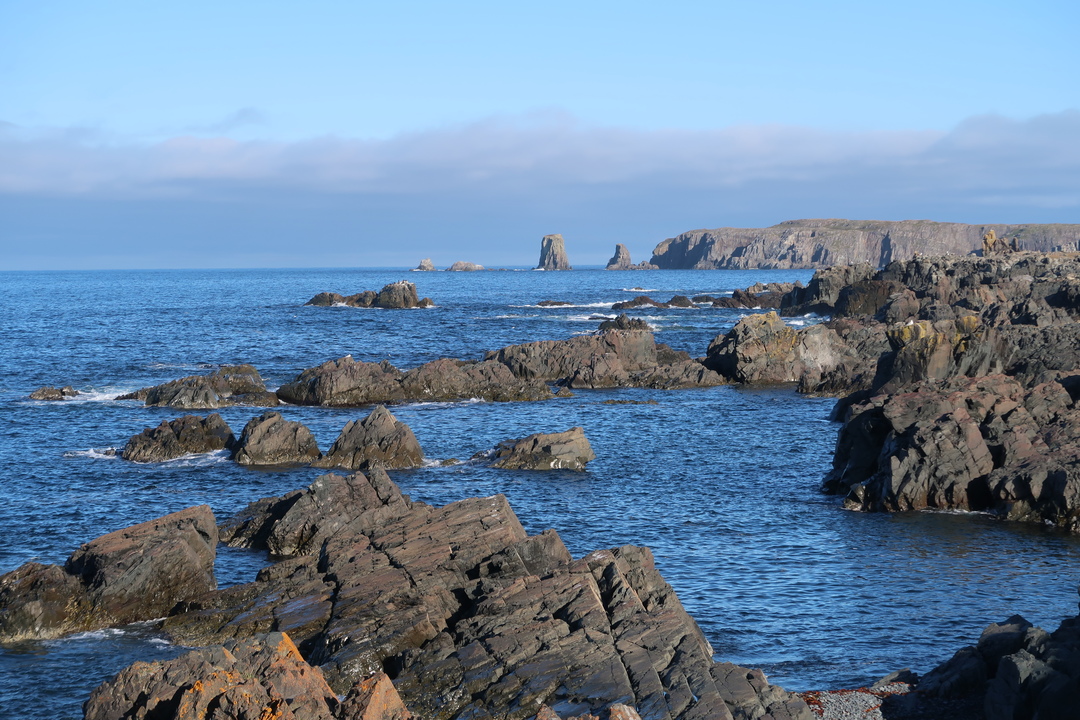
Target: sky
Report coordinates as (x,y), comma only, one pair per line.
(357,134)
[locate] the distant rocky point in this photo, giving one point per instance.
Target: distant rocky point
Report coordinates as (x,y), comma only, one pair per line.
(621,261)
(823,243)
(553,254)
(425,266)
(462,266)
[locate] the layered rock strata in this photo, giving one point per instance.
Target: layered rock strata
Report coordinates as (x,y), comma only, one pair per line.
(553,254)
(395,296)
(469,615)
(824,243)
(188,435)
(226,386)
(379,439)
(138,573)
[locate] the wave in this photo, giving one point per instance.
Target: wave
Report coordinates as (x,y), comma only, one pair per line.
(606,304)
(639,290)
(95,454)
(444,403)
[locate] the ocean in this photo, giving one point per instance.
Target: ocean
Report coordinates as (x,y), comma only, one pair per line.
(722,483)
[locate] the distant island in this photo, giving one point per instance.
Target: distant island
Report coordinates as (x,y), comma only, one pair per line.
(823,243)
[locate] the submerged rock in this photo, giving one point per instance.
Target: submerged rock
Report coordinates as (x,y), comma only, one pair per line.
(188,435)
(569,450)
(134,574)
(379,439)
(270,439)
(553,254)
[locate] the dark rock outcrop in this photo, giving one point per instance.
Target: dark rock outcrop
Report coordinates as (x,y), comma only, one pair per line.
(677,301)
(621,261)
(824,243)
(569,450)
(49,392)
(553,303)
(138,573)
(227,386)
(462,266)
(184,436)
(553,254)
(395,296)
(270,439)
(379,439)
(624,322)
(470,615)
(348,383)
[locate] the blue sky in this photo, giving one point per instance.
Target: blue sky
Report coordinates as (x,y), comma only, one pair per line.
(361,134)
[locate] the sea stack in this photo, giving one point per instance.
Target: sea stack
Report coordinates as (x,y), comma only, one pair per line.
(553,254)
(621,261)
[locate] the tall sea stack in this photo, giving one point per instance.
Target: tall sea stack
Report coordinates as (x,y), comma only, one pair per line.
(553,254)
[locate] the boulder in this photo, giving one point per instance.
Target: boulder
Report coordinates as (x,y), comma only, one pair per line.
(135,574)
(227,386)
(270,439)
(379,439)
(553,254)
(425,265)
(49,392)
(624,322)
(345,383)
(569,450)
(188,435)
(462,266)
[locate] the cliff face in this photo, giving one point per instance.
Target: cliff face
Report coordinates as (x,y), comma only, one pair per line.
(823,243)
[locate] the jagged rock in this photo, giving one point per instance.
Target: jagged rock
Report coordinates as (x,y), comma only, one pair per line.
(569,450)
(227,386)
(621,261)
(184,436)
(49,392)
(348,383)
(624,322)
(398,295)
(825,243)
(553,254)
(637,302)
(379,439)
(138,573)
(425,265)
(257,678)
(270,439)
(472,616)
(823,291)
(374,698)
(462,266)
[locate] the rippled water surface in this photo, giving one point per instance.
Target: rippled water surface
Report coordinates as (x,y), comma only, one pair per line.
(720,483)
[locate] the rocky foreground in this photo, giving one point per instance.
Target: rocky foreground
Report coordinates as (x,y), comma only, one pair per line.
(468,615)
(959,377)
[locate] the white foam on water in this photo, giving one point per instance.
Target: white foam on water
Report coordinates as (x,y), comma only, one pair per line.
(200,459)
(94,454)
(605,304)
(639,290)
(445,403)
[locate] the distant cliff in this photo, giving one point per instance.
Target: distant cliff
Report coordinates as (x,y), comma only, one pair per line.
(821,243)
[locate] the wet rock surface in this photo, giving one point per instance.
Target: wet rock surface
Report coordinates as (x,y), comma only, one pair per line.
(270,439)
(138,573)
(395,296)
(48,392)
(379,439)
(190,434)
(226,386)
(469,615)
(569,450)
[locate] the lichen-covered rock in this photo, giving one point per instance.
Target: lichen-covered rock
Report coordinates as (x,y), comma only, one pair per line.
(188,435)
(379,439)
(568,450)
(227,386)
(270,439)
(138,573)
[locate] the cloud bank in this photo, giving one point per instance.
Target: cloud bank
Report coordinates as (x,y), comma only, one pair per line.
(483,180)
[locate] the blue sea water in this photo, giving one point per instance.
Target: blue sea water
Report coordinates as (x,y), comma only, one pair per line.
(721,483)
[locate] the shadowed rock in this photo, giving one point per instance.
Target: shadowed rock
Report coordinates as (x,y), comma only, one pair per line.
(621,261)
(270,439)
(138,573)
(379,439)
(184,436)
(227,386)
(553,254)
(569,450)
(399,295)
